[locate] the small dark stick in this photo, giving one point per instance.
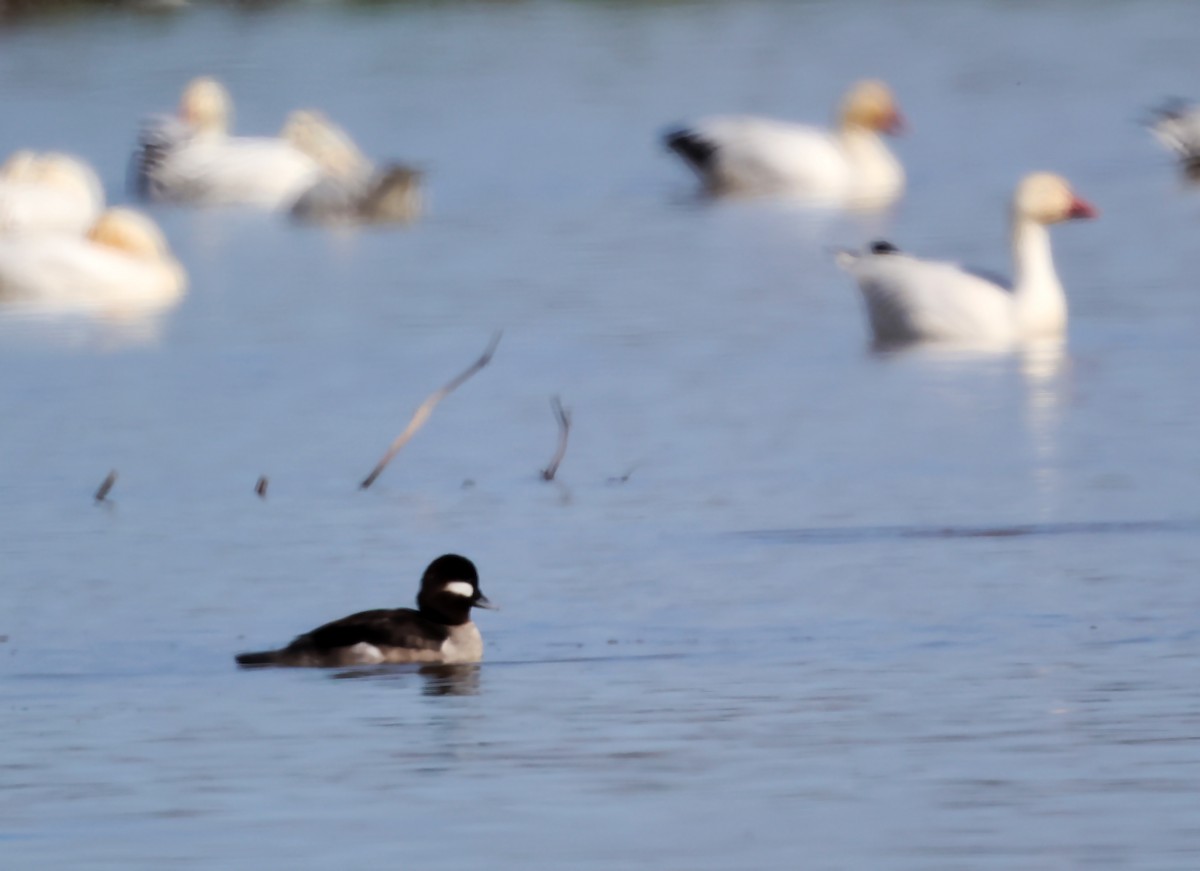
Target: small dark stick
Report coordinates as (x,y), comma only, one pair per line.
(261,487)
(106,485)
(426,408)
(564,429)
(621,479)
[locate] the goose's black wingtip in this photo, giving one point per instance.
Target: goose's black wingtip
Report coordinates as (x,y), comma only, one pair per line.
(691,146)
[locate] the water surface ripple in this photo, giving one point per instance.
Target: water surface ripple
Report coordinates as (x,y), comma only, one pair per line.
(985,660)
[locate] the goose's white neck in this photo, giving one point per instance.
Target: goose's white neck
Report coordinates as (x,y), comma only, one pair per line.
(1040,304)
(874,170)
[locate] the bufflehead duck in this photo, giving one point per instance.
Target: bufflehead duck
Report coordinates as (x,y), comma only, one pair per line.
(439,631)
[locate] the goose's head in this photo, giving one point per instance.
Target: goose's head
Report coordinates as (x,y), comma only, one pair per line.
(68,174)
(326,143)
(205,106)
(20,166)
(130,232)
(1047,198)
(870,105)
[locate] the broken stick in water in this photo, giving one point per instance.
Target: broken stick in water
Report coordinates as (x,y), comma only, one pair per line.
(621,479)
(564,429)
(106,485)
(426,408)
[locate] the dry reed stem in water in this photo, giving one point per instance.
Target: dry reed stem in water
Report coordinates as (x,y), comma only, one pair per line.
(426,408)
(106,485)
(621,479)
(564,429)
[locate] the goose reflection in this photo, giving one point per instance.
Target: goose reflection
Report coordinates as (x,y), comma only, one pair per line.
(1044,366)
(67,327)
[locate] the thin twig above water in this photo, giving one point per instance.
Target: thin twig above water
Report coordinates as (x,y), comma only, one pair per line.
(421,415)
(563,416)
(106,485)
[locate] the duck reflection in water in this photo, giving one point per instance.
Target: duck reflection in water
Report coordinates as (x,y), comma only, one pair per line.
(439,680)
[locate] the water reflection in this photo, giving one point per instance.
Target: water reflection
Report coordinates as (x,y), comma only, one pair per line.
(1043,365)
(890,648)
(1042,362)
(438,680)
(19,10)
(943,354)
(848,534)
(74,329)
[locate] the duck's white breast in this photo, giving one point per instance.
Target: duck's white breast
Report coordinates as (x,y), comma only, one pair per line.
(465,644)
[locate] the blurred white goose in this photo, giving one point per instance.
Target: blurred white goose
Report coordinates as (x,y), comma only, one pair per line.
(849,165)
(351,188)
(123,263)
(910,300)
(1176,125)
(48,193)
(191,158)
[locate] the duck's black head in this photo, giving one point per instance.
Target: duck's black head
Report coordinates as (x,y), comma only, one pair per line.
(450,589)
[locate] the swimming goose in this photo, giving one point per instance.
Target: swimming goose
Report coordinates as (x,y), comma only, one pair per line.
(351,188)
(191,158)
(909,299)
(1176,124)
(438,631)
(849,165)
(48,193)
(122,263)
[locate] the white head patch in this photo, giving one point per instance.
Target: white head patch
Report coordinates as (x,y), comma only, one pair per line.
(459,588)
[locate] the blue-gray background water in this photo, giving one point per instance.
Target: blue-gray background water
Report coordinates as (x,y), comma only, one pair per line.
(790,604)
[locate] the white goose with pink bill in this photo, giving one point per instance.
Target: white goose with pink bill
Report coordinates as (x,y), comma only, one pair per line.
(913,300)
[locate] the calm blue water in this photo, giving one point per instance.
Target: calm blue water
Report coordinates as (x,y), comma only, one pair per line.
(847,611)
